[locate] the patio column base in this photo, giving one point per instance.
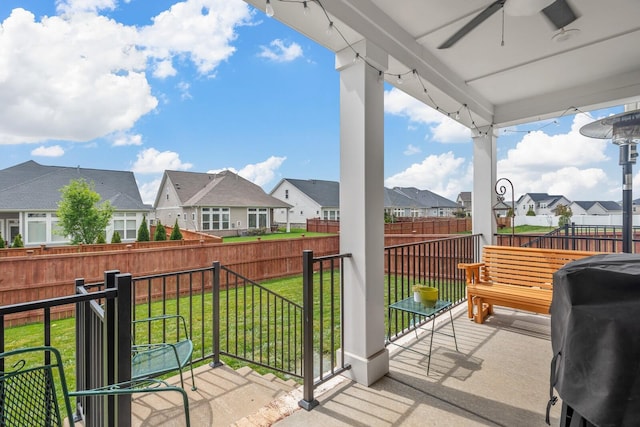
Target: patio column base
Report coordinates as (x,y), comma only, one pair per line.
(366,371)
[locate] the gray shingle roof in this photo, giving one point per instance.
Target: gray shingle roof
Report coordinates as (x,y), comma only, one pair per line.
(32,186)
(427,198)
(324,193)
(220,189)
(393,198)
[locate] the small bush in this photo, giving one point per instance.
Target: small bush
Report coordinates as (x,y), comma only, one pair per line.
(530,212)
(2,245)
(143,231)
(257,231)
(176,234)
(116,237)
(17,242)
(161,232)
(101,239)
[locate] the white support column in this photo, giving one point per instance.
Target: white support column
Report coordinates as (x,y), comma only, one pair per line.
(483,197)
(362,210)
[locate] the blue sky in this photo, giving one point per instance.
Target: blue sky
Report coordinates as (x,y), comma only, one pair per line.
(205,85)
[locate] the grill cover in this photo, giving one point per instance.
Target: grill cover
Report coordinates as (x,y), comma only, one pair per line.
(595,331)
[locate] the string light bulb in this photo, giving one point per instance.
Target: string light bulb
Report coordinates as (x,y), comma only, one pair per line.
(305,8)
(330,28)
(399,81)
(458,115)
(269,9)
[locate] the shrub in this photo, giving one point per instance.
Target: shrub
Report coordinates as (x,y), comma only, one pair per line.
(143,231)
(101,239)
(176,234)
(2,245)
(17,242)
(116,237)
(530,212)
(161,232)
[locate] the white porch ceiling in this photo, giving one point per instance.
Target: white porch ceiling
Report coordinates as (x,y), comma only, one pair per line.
(531,77)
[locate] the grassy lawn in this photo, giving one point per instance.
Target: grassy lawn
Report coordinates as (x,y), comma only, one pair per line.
(526,229)
(293,234)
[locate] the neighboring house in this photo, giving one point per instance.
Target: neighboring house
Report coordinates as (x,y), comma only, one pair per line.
(595,208)
(314,198)
(430,203)
(222,204)
(540,203)
(311,198)
(464,200)
(397,205)
(30,192)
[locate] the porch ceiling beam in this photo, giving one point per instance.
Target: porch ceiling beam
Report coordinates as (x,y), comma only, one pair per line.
(595,95)
(378,28)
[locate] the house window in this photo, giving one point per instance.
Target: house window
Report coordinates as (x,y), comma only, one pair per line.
(286,194)
(215,218)
(257,217)
(125,224)
(543,205)
(331,214)
(36,228)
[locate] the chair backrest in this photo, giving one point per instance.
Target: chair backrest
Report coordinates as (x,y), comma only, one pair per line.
(32,384)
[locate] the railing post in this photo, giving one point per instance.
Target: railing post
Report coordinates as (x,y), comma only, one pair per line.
(216,315)
(82,345)
(307,402)
(109,345)
(123,349)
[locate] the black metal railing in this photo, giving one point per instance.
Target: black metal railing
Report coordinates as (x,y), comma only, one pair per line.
(323,295)
(597,238)
(94,357)
(433,263)
(255,324)
(103,349)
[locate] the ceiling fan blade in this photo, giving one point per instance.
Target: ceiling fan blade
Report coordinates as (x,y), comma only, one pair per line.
(479,19)
(560,13)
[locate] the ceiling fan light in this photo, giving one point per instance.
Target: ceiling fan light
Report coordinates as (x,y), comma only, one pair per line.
(563,35)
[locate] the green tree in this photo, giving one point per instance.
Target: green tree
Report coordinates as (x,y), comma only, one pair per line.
(565,214)
(530,212)
(161,232)
(17,242)
(101,239)
(143,231)
(81,215)
(176,234)
(2,245)
(116,237)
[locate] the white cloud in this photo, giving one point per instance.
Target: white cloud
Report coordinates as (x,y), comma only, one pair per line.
(262,173)
(124,139)
(445,175)
(443,128)
(52,151)
(149,190)
(563,164)
(151,160)
(411,150)
(550,152)
(200,29)
(80,76)
(183,88)
(278,51)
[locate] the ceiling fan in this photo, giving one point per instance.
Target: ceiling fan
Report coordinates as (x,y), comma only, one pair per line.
(558,12)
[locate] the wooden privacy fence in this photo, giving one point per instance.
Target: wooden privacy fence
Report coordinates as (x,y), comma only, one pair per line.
(405,226)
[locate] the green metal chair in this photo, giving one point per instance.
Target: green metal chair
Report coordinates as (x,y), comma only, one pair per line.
(32,383)
(152,359)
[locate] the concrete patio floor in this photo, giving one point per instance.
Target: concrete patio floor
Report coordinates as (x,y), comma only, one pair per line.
(499,377)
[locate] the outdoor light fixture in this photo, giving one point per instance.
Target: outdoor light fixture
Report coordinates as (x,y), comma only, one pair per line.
(624,131)
(305,9)
(269,9)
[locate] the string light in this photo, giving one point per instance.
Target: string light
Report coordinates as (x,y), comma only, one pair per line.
(401,78)
(330,28)
(269,9)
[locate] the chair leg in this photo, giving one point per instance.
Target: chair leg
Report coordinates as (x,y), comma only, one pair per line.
(193,379)
(469,306)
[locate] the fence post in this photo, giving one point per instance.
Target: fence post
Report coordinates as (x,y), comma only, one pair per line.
(109,346)
(307,402)
(123,349)
(216,315)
